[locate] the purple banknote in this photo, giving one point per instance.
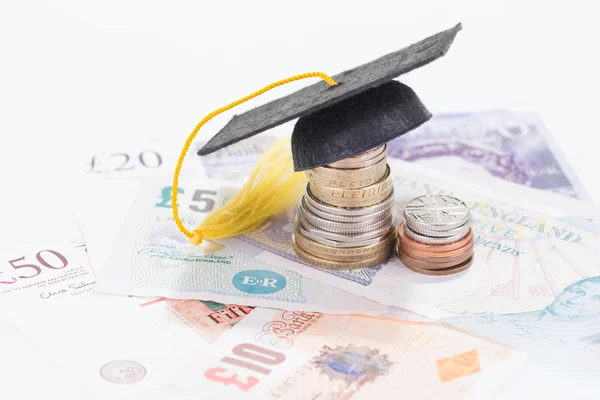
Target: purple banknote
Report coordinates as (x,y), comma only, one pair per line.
(514,147)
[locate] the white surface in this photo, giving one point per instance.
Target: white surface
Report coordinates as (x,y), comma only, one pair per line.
(77,70)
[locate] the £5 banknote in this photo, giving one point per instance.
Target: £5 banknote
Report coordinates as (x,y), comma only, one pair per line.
(150,257)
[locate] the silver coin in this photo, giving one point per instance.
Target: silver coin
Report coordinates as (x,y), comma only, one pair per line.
(334,243)
(431,240)
(375,217)
(426,231)
(436,212)
(349,212)
(340,237)
(346,228)
(366,159)
(123,371)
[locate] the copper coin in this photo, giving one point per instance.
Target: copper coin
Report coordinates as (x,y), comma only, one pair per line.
(419,254)
(446,271)
(412,262)
(408,242)
(435,262)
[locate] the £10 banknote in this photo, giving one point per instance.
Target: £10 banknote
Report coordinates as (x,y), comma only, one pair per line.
(300,355)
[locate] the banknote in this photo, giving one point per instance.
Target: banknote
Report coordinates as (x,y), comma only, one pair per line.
(566,327)
(516,147)
(513,146)
(236,161)
(121,158)
(103,195)
(150,257)
(300,355)
(524,254)
(104,177)
(208,318)
(99,345)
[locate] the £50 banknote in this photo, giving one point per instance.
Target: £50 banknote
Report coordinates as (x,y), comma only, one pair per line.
(97,346)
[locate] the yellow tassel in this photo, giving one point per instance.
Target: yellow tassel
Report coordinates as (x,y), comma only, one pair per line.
(272,188)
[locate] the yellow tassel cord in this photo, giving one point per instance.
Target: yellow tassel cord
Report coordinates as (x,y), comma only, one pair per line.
(272,188)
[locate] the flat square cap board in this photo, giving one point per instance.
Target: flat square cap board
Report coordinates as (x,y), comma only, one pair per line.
(365,109)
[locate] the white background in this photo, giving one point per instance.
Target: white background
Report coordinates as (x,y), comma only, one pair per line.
(81,70)
(73,71)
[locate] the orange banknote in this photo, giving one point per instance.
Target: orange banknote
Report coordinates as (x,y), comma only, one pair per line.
(297,355)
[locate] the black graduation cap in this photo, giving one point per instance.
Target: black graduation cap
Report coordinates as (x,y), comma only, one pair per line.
(366,108)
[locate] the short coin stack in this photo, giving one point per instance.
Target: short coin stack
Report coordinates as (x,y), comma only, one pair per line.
(345,220)
(436,236)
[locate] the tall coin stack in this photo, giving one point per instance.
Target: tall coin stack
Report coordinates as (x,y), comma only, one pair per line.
(345,220)
(436,236)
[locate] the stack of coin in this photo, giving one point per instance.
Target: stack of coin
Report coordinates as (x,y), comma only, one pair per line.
(436,236)
(345,220)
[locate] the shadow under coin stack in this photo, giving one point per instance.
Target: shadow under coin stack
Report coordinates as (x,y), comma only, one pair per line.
(436,236)
(345,220)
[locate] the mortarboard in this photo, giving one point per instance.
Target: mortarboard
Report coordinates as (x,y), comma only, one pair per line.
(364,110)
(356,111)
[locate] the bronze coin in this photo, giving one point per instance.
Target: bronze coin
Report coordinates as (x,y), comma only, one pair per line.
(446,271)
(434,262)
(412,262)
(408,242)
(421,254)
